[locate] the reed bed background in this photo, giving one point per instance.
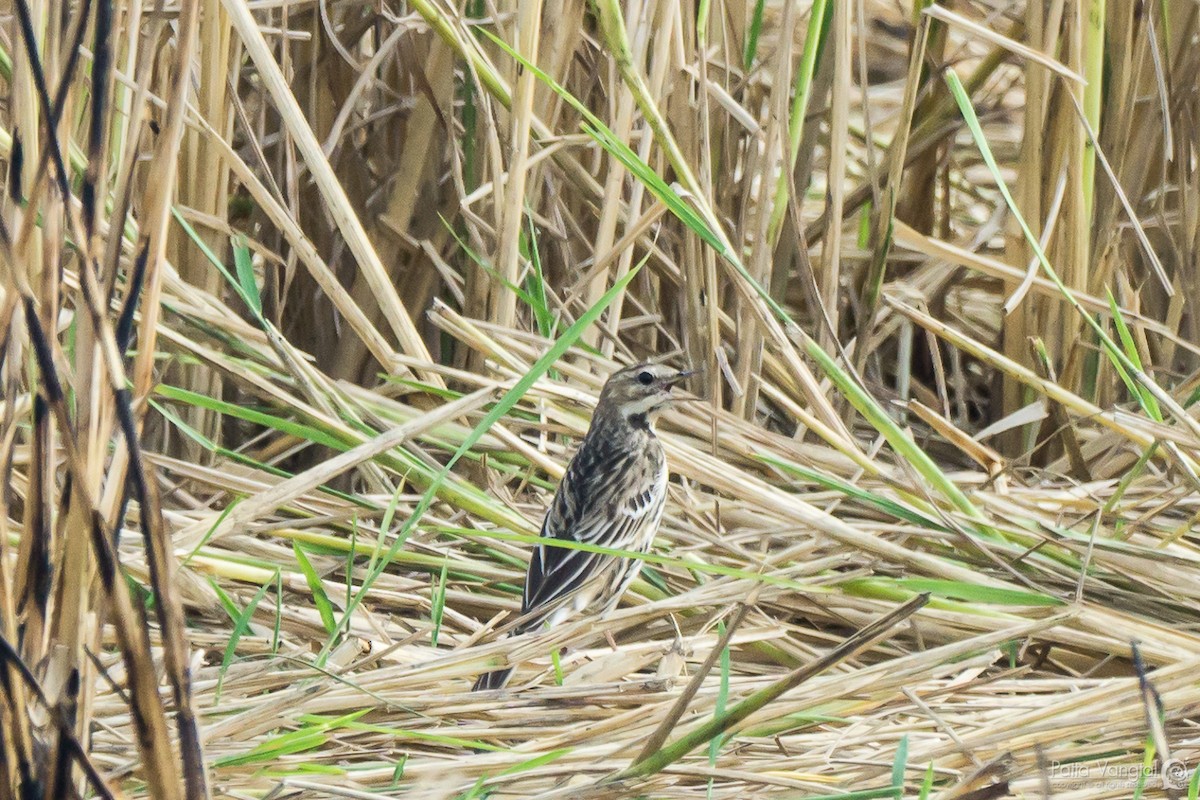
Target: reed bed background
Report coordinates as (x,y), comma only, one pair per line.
(306,304)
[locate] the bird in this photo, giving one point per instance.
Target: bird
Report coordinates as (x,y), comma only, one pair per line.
(611,495)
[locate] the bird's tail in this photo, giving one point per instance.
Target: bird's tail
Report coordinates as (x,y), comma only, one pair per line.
(492,680)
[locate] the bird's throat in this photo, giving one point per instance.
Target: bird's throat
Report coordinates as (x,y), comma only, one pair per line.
(640,421)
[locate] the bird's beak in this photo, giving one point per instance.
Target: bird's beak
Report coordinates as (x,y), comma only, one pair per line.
(680,377)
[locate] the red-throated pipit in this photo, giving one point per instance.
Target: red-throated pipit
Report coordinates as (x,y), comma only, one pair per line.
(611,496)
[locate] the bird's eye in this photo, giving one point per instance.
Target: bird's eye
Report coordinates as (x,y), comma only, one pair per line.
(645,378)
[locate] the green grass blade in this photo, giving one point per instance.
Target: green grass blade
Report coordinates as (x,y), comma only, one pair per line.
(898,765)
(245,275)
(751,49)
(251,299)
(890,507)
(1144,398)
(241,624)
(722,700)
(814,43)
(438,607)
(535,284)
(317,587)
(306,738)
(927,784)
(989,595)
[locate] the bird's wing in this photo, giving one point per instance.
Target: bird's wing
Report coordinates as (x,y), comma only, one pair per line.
(596,504)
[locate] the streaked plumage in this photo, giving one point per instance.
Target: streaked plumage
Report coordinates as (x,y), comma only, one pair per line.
(612,495)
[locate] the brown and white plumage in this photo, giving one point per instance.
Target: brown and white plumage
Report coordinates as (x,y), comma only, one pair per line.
(612,495)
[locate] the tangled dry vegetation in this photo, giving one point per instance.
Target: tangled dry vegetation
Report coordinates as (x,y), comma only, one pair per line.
(305,305)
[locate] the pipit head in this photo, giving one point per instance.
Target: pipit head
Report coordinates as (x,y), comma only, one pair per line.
(641,390)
